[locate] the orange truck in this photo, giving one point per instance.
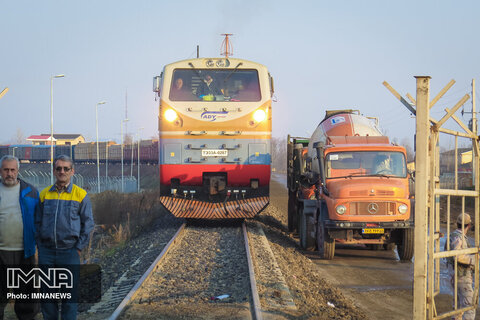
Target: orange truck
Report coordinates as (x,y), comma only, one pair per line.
(348,184)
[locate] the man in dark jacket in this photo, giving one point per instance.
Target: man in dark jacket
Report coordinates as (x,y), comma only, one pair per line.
(19,203)
(63,229)
(208,87)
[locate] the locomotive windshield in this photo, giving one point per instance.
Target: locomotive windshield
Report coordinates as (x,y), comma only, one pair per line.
(215,85)
(366,163)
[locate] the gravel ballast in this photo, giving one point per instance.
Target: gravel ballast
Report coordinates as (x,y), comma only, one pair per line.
(208,262)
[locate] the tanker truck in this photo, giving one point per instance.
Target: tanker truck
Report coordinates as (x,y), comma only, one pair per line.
(348,184)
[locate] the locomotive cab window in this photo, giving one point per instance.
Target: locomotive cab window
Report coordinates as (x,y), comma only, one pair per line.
(215,85)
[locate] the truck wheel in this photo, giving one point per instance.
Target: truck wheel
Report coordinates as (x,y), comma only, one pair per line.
(292,212)
(306,229)
(325,244)
(405,245)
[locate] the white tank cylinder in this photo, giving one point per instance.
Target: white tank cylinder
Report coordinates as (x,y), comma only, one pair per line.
(340,124)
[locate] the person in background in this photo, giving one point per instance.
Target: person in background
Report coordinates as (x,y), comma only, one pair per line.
(63,229)
(382,165)
(19,203)
(208,87)
(249,92)
(180,93)
(465,266)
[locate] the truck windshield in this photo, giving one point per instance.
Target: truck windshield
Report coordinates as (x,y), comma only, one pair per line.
(215,85)
(366,163)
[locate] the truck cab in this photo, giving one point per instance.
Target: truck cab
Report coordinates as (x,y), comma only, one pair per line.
(349,185)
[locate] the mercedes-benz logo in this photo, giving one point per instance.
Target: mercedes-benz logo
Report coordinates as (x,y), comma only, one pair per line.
(372,208)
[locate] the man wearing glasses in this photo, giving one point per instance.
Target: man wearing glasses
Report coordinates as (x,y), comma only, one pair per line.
(63,229)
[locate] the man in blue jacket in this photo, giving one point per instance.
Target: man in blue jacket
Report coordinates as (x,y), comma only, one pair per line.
(63,229)
(19,203)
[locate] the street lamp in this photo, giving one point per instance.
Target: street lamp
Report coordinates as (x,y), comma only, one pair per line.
(51,124)
(98,155)
(138,160)
(123,121)
(132,145)
(106,165)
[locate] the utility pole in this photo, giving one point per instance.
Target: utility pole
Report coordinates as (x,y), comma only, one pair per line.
(121,134)
(126,111)
(138,160)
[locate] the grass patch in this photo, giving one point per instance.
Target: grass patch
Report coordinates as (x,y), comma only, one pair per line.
(120,217)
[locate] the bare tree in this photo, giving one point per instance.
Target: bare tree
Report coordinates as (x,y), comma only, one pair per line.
(405,142)
(20,137)
(128,138)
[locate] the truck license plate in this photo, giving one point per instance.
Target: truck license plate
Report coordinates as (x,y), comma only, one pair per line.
(214,153)
(373,230)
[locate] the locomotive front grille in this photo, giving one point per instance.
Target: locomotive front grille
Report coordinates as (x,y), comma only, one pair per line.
(372,208)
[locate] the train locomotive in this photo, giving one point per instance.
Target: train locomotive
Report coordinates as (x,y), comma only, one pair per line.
(215,125)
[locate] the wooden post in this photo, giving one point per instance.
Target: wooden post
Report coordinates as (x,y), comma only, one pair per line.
(474,129)
(421,198)
(476,184)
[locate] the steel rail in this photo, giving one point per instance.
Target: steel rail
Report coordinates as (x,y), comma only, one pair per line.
(253,284)
(131,295)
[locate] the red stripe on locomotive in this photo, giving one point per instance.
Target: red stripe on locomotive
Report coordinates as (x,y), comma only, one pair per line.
(238,175)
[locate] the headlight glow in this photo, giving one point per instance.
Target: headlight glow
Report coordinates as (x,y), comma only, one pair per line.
(402,208)
(170,115)
(259,115)
(341,209)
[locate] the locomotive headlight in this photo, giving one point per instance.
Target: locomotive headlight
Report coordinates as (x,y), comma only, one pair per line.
(170,115)
(341,209)
(402,208)
(259,115)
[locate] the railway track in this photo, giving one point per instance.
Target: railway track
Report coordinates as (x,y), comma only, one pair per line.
(124,270)
(204,269)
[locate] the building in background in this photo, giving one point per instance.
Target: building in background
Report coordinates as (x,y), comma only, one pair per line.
(59,139)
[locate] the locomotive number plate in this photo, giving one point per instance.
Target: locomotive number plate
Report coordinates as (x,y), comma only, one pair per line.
(373,230)
(214,153)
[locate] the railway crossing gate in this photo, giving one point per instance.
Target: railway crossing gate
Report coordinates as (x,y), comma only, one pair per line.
(432,297)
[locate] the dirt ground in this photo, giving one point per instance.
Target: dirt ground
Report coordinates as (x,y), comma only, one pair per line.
(357,284)
(315,296)
(377,281)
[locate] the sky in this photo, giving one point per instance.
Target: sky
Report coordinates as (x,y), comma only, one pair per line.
(323,55)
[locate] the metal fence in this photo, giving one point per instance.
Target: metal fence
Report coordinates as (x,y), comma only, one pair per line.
(430,190)
(463,182)
(41,180)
